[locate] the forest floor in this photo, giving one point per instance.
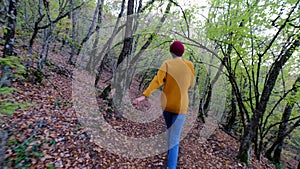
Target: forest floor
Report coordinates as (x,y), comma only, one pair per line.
(49,135)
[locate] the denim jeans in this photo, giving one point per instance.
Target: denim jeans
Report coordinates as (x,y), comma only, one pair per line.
(174,124)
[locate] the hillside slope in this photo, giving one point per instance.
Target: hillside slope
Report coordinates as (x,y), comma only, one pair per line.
(49,135)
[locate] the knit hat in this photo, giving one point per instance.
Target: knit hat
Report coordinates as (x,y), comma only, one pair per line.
(177,48)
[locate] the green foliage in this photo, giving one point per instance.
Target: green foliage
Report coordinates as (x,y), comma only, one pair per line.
(51,166)
(245,33)
(8,105)
(15,64)
(12,142)
(24,152)
(295,140)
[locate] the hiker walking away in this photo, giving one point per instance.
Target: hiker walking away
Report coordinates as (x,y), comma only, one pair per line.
(176,75)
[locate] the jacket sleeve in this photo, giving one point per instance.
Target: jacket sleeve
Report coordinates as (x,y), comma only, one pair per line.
(157,81)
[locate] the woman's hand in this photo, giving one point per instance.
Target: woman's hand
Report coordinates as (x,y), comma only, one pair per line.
(138,100)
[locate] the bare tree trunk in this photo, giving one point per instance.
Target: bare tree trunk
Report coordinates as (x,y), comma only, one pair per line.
(73,18)
(105,51)
(131,62)
(47,37)
(205,100)
(44,53)
(232,115)
(62,14)
(94,61)
(127,46)
(194,98)
(9,37)
(125,52)
(125,82)
(35,32)
(94,57)
(143,48)
(98,12)
(115,31)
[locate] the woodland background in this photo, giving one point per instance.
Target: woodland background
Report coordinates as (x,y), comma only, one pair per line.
(251,45)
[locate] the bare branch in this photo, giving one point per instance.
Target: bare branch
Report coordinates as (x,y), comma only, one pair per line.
(184,15)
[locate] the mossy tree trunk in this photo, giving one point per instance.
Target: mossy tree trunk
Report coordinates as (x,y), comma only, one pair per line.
(9,36)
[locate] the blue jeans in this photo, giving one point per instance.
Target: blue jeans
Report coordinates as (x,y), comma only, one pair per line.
(174,124)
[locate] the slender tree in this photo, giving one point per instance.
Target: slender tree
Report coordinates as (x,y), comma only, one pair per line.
(134,58)
(232,114)
(43,10)
(6,72)
(48,34)
(284,129)
(97,20)
(9,36)
(233,28)
(73,34)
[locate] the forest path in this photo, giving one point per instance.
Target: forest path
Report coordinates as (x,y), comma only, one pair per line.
(49,135)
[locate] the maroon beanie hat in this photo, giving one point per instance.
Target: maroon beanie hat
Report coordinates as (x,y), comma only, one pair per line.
(177,48)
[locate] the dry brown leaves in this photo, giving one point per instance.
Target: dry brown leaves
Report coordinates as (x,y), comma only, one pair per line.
(55,139)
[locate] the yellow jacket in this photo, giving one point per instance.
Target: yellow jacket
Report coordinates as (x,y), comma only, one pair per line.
(177,76)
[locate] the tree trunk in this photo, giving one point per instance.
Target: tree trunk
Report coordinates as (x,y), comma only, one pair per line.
(62,14)
(127,46)
(100,69)
(95,59)
(35,32)
(44,53)
(266,93)
(205,100)
(73,45)
(98,12)
(143,48)
(283,130)
(26,14)
(47,36)
(106,48)
(232,116)
(9,36)
(120,86)
(269,152)
(244,150)
(278,150)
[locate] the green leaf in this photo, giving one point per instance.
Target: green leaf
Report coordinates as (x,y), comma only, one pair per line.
(6,90)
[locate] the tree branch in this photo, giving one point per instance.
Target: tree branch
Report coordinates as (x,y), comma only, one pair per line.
(61,16)
(184,16)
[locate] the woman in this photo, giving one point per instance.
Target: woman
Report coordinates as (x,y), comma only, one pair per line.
(177,76)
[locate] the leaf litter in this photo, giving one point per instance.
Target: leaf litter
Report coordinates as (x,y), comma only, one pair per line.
(49,135)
